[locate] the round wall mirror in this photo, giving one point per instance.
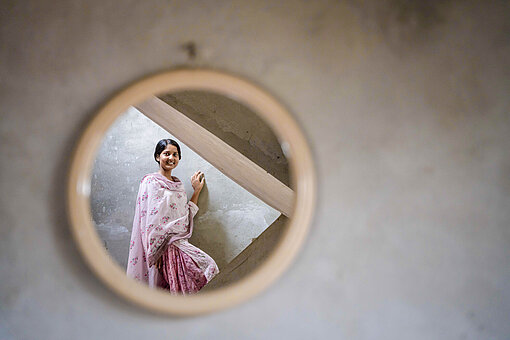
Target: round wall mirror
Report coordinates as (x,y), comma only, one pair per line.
(191,191)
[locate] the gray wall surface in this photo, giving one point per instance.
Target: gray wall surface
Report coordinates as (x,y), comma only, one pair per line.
(405,105)
(229,216)
(251,257)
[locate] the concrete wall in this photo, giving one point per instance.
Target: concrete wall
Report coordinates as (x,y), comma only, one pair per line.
(251,257)
(405,104)
(229,216)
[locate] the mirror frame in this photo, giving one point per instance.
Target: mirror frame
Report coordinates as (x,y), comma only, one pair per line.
(303,182)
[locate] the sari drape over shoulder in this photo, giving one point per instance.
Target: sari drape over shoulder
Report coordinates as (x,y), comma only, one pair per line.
(162,225)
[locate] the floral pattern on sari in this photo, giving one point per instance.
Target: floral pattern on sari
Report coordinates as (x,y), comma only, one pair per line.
(162,225)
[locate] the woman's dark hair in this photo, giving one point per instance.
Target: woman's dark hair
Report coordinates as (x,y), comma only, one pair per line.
(162,145)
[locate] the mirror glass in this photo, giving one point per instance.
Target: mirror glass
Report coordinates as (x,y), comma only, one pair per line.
(180,236)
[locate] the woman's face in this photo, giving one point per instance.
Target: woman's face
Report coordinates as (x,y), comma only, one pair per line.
(168,158)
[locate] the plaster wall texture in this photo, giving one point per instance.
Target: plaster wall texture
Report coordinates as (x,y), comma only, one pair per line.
(229,216)
(251,257)
(405,105)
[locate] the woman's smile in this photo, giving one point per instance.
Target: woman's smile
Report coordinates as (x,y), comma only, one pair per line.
(171,162)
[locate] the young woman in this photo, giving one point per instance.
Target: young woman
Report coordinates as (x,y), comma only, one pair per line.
(159,251)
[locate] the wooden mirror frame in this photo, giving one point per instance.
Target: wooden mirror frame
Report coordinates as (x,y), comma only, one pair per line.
(302,178)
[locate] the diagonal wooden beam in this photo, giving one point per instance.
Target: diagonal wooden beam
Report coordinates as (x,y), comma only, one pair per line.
(222,156)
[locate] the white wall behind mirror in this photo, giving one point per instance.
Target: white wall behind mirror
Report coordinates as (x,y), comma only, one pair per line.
(231,220)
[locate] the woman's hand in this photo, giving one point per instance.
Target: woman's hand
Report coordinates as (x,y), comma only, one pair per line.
(159,263)
(197,181)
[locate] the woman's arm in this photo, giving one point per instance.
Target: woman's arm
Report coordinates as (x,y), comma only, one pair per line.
(197,182)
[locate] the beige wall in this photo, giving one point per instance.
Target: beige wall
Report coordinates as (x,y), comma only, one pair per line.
(405,104)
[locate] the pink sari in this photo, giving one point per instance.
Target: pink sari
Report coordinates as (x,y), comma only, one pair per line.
(162,224)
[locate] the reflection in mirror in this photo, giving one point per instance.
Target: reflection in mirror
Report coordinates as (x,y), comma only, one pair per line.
(141,208)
